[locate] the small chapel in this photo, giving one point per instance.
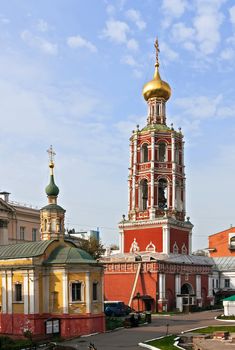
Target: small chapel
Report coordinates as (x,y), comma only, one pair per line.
(50,286)
(155,269)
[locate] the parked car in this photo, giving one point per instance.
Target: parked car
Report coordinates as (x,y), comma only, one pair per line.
(116,308)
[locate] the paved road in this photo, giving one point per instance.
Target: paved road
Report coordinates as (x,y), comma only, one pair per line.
(129,338)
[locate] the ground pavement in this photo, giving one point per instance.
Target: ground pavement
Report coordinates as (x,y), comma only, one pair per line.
(130,337)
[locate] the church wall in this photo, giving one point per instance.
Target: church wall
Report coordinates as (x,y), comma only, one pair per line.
(55,292)
(118,284)
(145,235)
(180,237)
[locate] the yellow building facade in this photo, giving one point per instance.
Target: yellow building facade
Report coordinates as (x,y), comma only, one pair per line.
(50,286)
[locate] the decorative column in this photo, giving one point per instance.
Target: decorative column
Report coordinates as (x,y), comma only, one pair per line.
(88,293)
(198,290)
(26,293)
(173,171)
(179,305)
(152,209)
(162,286)
(46,291)
(9,292)
(134,175)
(166,239)
(4,292)
(33,293)
(65,291)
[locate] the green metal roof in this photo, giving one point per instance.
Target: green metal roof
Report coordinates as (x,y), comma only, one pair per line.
(52,189)
(232,298)
(53,207)
(69,255)
(24,250)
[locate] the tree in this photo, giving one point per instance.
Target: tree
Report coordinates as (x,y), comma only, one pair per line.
(92,246)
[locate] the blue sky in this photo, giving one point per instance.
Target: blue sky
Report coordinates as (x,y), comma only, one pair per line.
(71,75)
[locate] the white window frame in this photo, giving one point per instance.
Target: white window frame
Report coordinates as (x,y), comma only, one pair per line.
(82,292)
(97,291)
(14,292)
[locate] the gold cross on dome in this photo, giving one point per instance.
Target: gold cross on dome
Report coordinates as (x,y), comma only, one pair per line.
(51,154)
(157,51)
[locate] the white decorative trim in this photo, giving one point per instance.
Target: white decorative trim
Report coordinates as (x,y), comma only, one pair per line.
(166,239)
(175,248)
(184,249)
(9,292)
(4,292)
(198,287)
(150,247)
(26,293)
(134,247)
(65,291)
(88,293)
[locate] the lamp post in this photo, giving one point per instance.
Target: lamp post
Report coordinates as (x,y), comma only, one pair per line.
(138,300)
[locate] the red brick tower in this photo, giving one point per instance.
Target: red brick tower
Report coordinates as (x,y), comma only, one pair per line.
(156,208)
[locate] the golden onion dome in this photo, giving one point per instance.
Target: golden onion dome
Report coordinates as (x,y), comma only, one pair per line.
(156,87)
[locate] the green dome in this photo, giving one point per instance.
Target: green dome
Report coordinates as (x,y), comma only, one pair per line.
(69,255)
(52,189)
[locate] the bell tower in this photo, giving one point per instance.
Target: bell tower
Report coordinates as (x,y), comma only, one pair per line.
(52,215)
(156,182)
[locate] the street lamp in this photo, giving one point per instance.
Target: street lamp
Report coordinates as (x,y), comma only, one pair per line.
(138,300)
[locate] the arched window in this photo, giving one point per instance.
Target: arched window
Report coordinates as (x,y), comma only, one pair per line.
(144,153)
(158,109)
(232,241)
(162,193)
(162,152)
(144,194)
(45,224)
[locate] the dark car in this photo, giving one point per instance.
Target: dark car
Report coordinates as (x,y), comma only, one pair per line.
(115,308)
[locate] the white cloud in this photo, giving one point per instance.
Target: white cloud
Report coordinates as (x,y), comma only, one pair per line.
(207,24)
(181,32)
(130,61)
(232,15)
(42,25)
(172,9)
(136,17)
(110,9)
(116,31)
(227,54)
(40,43)
(132,44)
(168,53)
(78,41)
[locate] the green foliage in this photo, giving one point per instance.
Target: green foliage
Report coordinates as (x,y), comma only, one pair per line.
(166,343)
(211,329)
(92,246)
(222,317)
(6,343)
(113,322)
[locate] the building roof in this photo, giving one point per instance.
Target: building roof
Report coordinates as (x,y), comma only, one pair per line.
(53,206)
(24,250)
(224,263)
(150,256)
(69,255)
(232,298)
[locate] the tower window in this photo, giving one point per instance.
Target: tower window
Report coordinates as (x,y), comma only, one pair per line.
(162,194)
(158,109)
(162,152)
(144,194)
(144,153)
